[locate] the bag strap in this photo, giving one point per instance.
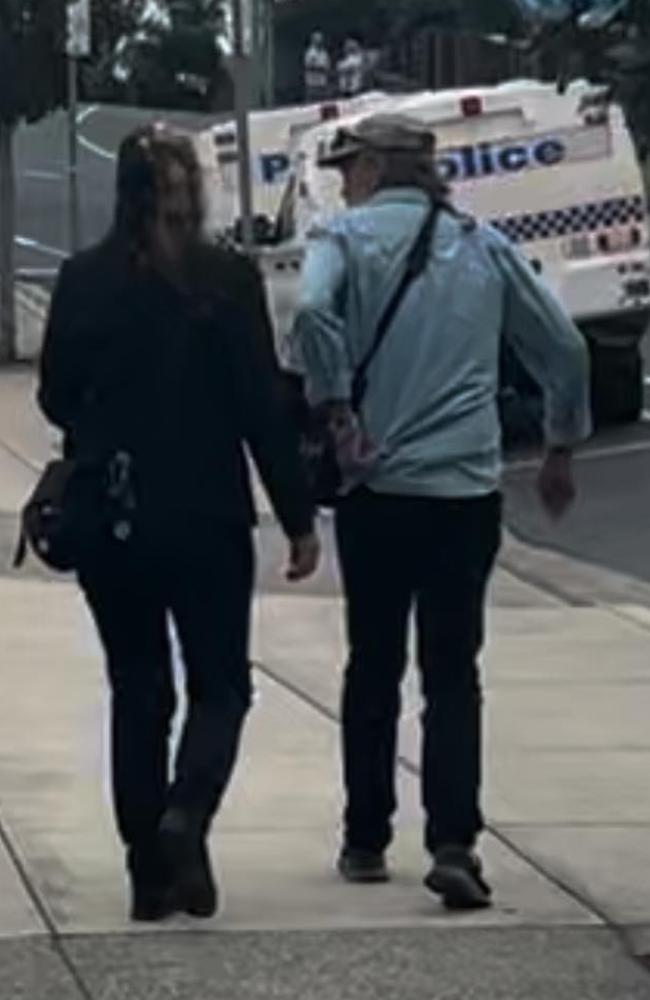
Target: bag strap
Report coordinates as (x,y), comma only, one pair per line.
(20,553)
(415,265)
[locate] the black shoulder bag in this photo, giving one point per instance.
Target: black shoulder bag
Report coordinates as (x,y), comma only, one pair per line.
(317,446)
(75,506)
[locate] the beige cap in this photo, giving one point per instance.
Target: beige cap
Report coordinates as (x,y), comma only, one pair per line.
(382,132)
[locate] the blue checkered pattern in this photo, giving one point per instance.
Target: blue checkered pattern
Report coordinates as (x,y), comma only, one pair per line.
(576,219)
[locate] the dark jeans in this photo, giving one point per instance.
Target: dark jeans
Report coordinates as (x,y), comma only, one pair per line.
(436,555)
(204,585)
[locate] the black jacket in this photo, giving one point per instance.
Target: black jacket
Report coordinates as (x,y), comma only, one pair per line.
(180,381)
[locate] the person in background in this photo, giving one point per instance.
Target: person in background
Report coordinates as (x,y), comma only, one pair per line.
(351,70)
(318,70)
(418,526)
(157,367)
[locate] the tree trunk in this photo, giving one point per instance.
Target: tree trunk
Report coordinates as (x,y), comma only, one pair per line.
(7,235)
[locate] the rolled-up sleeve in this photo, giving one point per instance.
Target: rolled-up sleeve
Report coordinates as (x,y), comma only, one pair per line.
(316,345)
(549,346)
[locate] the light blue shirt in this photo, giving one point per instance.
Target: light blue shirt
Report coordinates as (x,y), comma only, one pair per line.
(431,405)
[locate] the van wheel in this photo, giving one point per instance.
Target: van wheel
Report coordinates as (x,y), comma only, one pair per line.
(616,384)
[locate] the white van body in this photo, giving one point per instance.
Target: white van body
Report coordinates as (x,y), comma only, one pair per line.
(273,137)
(556,173)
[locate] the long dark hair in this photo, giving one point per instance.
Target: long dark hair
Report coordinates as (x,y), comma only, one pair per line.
(143,161)
(419,170)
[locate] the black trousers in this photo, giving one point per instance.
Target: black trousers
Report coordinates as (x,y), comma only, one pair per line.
(434,555)
(204,586)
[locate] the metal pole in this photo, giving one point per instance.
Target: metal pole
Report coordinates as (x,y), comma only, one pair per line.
(7,228)
(257,50)
(73,165)
(270,53)
(241,66)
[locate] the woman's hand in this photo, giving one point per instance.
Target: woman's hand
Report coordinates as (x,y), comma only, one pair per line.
(304,557)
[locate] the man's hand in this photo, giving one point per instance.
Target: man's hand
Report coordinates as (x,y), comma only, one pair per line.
(304,556)
(354,450)
(556,485)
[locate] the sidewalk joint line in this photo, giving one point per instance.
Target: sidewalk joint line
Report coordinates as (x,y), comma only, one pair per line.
(298,692)
(27,462)
(620,931)
(625,616)
(532,579)
(43,913)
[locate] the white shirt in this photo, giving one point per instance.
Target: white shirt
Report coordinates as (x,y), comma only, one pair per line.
(317,68)
(350,71)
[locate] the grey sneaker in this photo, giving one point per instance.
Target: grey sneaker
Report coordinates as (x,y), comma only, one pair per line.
(365,867)
(457,876)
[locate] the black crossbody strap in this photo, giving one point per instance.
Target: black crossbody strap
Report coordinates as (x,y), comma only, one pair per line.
(415,265)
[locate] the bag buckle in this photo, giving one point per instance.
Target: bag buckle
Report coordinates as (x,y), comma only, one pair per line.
(120,491)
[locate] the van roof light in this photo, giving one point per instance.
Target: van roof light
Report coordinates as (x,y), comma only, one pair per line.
(471,106)
(328,112)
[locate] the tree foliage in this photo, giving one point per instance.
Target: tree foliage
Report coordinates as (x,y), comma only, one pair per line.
(111,19)
(373,20)
(143,52)
(616,55)
(492,16)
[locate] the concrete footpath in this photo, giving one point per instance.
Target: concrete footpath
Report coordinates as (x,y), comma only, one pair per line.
(568,850)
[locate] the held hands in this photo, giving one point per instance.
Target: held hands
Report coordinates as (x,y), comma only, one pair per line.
(304,557)
(354,449)
(555,484)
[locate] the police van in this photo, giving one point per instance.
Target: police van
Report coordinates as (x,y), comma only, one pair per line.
(558,175)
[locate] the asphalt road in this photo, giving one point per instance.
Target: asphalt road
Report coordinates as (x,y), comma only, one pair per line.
(610,525)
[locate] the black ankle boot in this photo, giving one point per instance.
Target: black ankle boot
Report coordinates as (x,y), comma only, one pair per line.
(186,853)
(152,896)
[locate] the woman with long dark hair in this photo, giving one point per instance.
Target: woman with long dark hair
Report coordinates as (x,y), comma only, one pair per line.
(158,364)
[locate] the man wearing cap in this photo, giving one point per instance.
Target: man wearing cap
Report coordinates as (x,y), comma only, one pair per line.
(418,529)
